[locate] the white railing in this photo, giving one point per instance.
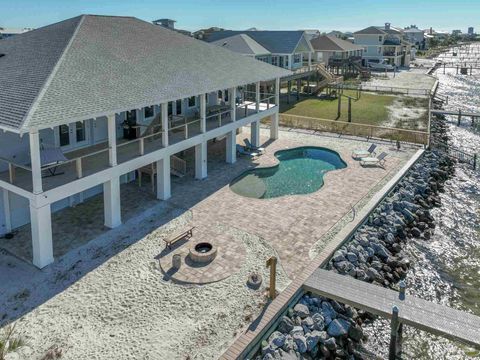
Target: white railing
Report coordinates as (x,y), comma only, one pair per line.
(178,166)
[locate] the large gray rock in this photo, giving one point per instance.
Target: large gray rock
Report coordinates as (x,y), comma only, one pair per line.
(297,330)
(285,325)
(301,310)
(276,340)
(301,343)
(313,339)
(338,327)
(318,321)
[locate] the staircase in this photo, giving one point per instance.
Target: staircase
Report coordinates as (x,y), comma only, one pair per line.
(326,74)
(178,166)
(364,72)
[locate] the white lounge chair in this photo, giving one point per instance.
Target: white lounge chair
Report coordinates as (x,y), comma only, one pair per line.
(358,154)
(250,147)
(379,160)
(242,151)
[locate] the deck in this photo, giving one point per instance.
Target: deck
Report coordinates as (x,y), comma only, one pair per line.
(421,314)
(93,159)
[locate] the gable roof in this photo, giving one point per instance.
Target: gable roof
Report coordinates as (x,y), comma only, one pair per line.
(277,42)
(242,44)
(91,66)
(332,43)
(371,30)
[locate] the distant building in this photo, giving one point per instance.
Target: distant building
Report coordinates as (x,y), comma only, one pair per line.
(170,24)
(456,32)
(415,36)
(471,31)
(311,33)
(7,32)
(333,49)
(384,43)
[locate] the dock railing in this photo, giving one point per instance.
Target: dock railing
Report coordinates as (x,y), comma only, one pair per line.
(385,89)
(354,129)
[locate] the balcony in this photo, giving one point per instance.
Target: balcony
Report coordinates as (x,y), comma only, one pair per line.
(93,159)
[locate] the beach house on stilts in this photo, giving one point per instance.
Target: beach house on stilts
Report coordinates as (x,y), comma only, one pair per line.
(86,102)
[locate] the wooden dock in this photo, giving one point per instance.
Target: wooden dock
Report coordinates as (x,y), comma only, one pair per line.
(456,113)
(421,314)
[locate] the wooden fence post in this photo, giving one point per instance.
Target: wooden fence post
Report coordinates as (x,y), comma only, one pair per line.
(394,327)
(339,110)
(459,117)
(349,109)
(272,263)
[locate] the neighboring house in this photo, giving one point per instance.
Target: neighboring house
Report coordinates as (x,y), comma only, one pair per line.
(384,43)
(288,49)
(331,48)
(92,99)
(8,32)
(170,24)
(245,45)
(312,34)
(415,36)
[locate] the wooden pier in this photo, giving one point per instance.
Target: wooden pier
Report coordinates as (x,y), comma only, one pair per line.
(459,114)
(421,314)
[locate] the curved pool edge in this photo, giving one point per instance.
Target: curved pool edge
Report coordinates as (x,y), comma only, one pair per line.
(275,162)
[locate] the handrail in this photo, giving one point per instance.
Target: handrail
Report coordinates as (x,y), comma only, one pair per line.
(383,88)
(178,164)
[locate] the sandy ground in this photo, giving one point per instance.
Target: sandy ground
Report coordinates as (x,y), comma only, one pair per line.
(414,78)
(123,309)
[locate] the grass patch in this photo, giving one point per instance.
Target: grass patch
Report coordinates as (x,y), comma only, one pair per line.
(369,109)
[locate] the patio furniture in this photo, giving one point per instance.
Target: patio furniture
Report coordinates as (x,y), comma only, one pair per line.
(178,236)
(250,147)
(242,151)
(360,153)
(50,159)
(379,160)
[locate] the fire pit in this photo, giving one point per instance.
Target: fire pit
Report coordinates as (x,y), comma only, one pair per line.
(202,252)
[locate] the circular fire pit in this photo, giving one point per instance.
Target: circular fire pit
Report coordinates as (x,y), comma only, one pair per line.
(202,252)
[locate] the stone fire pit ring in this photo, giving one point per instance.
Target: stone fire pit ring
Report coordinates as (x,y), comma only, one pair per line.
(202,252)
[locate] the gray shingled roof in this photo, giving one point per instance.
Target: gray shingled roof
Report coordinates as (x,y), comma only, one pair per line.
(242,44)
(92,66)
(371,30)
(332,43)
(277,42)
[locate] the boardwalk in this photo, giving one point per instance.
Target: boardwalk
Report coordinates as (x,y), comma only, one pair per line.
(421,314)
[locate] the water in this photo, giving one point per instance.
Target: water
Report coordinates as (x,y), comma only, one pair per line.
(300,171)
(446,269)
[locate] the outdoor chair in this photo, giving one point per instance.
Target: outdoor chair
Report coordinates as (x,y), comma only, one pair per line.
(376,161)
(50,159)
(250,147)
(360,153)
(242,151)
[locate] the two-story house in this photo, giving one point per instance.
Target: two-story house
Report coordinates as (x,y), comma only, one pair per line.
(329,49)
(286,49)
(383,43)
(86,102)
(415,36)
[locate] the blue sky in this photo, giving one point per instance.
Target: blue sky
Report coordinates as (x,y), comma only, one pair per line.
(263,14)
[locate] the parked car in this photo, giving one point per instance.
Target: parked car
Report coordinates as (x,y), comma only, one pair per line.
(380,65)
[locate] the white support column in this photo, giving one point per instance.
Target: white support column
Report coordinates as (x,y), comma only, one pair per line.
(257,96)
(201,161)
(274,126)
(231,147)
(203,114)
(112,140)
(233,105)
(42,245)
(255,133)
(36,162)
(111,203)
(164,119)
(277,91)
(163,179)
(6,210)
(309,59)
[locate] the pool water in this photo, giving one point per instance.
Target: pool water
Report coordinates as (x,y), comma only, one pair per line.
(300,171)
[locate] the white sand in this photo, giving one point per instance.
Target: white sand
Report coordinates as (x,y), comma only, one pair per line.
(412,79)
(123,309)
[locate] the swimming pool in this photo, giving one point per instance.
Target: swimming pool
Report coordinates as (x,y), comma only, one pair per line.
(300,171)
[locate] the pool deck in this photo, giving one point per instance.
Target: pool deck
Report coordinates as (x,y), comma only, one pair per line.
(291,226)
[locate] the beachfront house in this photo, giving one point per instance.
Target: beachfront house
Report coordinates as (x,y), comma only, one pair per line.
(384,44)
(86,102)
(332,49)
(286,49)
(415,36)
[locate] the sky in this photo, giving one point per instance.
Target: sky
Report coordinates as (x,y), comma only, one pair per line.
(324,15)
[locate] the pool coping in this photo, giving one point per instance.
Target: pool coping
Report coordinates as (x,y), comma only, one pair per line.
(248,341)
(276,163)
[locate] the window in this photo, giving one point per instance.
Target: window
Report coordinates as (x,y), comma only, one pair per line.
(380,38)
(192,101)
(170,108)
(132,117)
(148,111)
(263,58)
(297,58)
(379,50)
(286,61)
(64,135)
(179,107)
(275,60)
(80,131)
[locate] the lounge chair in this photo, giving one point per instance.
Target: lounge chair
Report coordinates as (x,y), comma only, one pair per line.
(379,160)
(358,154)
(50,157)
(242,151)
(250,147)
